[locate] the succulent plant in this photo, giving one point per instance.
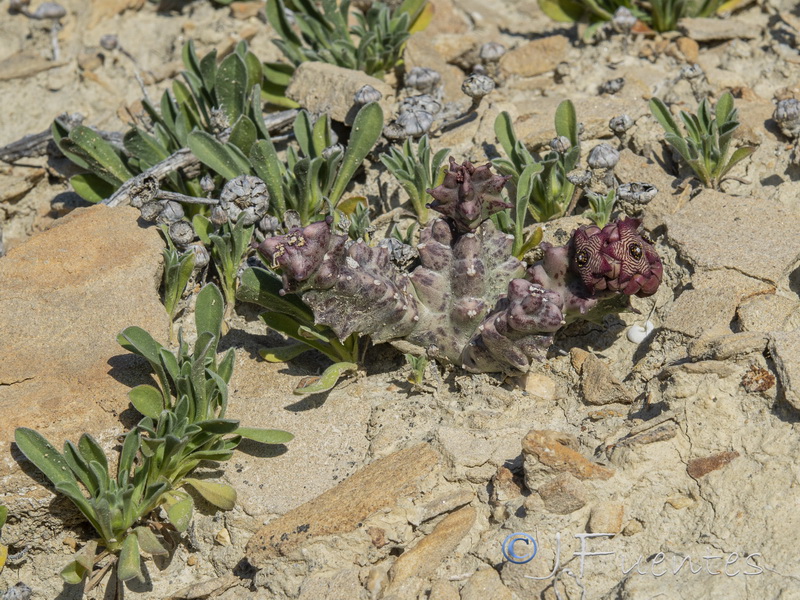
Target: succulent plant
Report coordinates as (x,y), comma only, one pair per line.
(491,52)
(637,192)
(469,195)
(469,301)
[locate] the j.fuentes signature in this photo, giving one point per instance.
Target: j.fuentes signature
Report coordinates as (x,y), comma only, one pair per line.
(521,548)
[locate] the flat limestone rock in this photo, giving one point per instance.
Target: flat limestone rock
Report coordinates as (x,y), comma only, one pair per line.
(107,9)
(424,558)
(485,584)
(550,452)
(785,351)
(769,313)
(25,64)
(709,29)
(535,57)
(716,231)
(340,509)
(323,88)
(65,295)
(708,308)
(599,386)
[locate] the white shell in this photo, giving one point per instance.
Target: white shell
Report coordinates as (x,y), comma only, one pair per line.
(637,334)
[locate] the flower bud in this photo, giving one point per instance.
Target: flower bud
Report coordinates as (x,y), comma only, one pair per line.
(49,10)
(423,79)
(603,156)
(151,210)
(787,115)
(367,94)
(201,257)
(218,216)
(690,72)
(143,191)
(637,192)
(245,197)
(491,52)
(620,124)
(291,219)
(623,20)
(181,232)
(415,122)
(109,42)
(173,211)
(219,120)
(477,86)
(331,150)
(269,224)
(401,254)
(612,86)
(207,183)
(424,102)
(579,177)
(560,144)
(17,6)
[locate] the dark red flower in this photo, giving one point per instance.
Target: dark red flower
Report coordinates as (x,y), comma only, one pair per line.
(616,258)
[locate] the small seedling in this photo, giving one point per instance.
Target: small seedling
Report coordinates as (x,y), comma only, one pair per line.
(707,138)
(360,227)
(418,365)
(600,207)
(229,246)
(512,221)
(417,170)
(178,269)
(190,404)
(115,504)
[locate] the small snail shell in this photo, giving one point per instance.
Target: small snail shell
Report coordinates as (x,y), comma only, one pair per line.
(637,334)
